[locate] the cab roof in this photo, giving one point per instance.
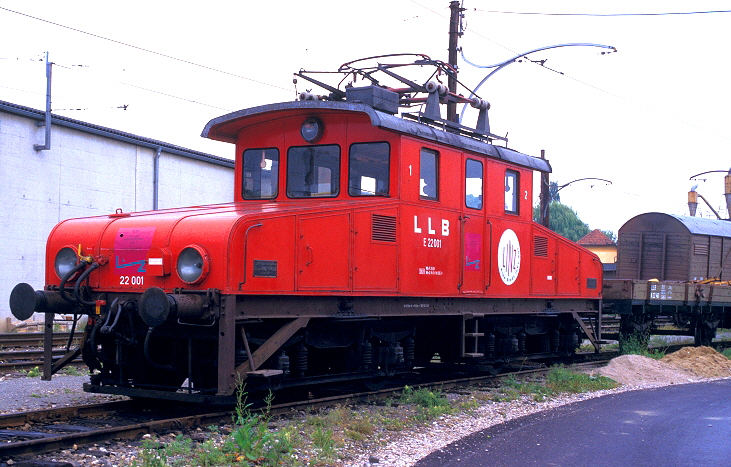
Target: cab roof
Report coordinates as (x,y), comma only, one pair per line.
(226,128)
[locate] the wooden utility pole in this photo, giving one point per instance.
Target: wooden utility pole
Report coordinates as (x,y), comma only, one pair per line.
(454,33)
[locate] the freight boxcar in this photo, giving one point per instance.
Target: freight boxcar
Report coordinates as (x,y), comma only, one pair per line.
(672,267)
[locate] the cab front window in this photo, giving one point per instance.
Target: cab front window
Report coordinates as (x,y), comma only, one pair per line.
(261,173)
(313,171)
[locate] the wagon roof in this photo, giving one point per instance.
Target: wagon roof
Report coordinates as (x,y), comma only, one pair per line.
(694,225)
(226,127)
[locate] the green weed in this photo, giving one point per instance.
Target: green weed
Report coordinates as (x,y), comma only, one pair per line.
(430,404)
(562,380)
(324,443)
(638,345)
(151,455)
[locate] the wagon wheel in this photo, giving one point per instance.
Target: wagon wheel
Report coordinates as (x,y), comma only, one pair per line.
(634,332)
(702,334)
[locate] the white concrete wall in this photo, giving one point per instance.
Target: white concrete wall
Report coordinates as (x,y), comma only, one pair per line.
(82,175)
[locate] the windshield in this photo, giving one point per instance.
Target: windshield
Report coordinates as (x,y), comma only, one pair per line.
(261,173)
(313,171)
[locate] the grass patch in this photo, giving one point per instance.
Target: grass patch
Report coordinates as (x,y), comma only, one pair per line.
(559,380)
(562,380)
(329,437)
(429,404)
(726,353)
(638,345)
(72,370)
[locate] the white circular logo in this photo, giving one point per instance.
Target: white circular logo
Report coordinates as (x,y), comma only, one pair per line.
(508,260)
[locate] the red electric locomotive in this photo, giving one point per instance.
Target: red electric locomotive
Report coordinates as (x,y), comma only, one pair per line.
(360,245)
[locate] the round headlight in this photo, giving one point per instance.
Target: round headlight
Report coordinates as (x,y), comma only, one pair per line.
(193,264)
(312,129)
(66,260)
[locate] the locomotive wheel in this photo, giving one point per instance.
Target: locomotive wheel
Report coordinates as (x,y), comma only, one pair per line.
(493,368)
(376,384)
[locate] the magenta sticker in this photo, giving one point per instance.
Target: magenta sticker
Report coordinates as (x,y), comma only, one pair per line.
(472,251)
(130,248)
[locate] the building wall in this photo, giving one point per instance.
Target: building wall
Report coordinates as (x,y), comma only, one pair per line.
(607,253)
(84,174)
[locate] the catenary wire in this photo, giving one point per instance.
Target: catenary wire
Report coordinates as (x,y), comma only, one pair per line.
(604,15)
(188,62)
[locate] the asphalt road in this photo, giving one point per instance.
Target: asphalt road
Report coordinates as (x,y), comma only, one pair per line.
(684,425)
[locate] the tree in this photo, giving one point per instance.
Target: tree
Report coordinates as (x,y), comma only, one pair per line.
(564,221)
(611,235)
(553,191)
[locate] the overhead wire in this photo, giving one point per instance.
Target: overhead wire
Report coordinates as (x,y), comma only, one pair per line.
(174,96)
(74,66)
(154,91)
(160,54)
(541,63)
(537,62)
(605,15)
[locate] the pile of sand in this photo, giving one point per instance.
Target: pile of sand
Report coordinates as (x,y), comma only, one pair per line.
(636,370)
(704,362)
(687,364)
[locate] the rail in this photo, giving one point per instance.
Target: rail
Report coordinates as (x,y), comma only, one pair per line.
(24,350)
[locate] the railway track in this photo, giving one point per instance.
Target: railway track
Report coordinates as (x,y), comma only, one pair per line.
(35,432)
(54,429)
(24,350)
(34,339)
(46,430)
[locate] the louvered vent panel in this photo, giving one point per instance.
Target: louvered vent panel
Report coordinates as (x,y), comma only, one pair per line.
(384,228)
(540,246)
(699,249)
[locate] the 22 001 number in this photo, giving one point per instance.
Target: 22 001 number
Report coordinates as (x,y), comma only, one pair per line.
(131,280)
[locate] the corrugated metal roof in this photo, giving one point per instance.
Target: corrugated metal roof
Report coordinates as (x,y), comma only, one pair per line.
(113,134)
(704,226)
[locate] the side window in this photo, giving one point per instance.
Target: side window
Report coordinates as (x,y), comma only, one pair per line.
(313,171)
(261,174)
(429,175)
(473,184)
(368,169)
(512,188)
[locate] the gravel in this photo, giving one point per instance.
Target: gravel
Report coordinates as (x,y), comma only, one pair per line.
(22,393)
(406,450)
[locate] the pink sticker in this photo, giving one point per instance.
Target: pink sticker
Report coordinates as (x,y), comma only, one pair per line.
(472,251)
(130,248)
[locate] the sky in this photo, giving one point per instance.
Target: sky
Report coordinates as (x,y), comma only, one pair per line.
(646,118)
